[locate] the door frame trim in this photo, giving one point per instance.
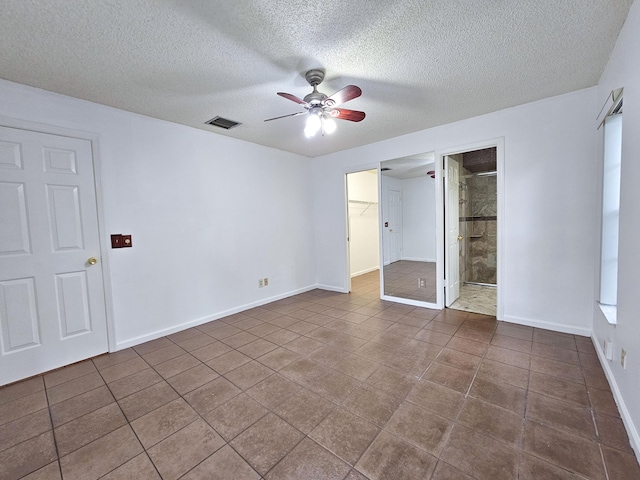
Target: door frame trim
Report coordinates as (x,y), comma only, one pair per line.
(498,143)
(94,139)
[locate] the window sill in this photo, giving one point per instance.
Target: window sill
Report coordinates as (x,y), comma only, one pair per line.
(610,313)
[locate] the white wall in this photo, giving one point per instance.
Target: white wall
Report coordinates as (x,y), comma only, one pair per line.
(209,214)
(549,195)
(623,70)
(364,240)
(419,219)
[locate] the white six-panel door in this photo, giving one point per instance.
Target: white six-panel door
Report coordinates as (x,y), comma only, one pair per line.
(52,309)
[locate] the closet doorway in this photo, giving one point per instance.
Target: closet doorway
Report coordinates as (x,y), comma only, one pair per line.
(363,229)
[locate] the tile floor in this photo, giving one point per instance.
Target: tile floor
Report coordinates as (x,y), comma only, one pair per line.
(325,386)
(477,299)
(401,280)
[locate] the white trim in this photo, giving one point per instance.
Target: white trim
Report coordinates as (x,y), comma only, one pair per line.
(416,259)
(199,321)
(367,270)
(93,138)
(634,437)
(409,301)
(554,326)
(330,288)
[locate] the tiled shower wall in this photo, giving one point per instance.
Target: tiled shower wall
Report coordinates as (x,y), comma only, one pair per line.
(479,222)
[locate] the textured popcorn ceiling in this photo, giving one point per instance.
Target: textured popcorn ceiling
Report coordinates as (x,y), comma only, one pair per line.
(419,63)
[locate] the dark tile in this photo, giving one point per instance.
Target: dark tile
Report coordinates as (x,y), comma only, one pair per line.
(444,471)
(137,467)
(101,456)
(142,402)
(27,456)
(492,421)
(24,428)
(211,351)
(233,417)
(184,335)
(517,331)
(80,405)
(436,398)
(555,339)
(474,334)
(282,337)
(152,345)
(611,432)
(374,404)
(621,465)
(70,389)
(176,365)
(310,461)
(71,372)
(89,427)
(239,339)
(110,359)
(124,369)
(532,468)
(228,361)
(134,383)
(500,394)
(559,388)
(304,410)
(390,458)
(279,358)
(191,379)
(257,348)
(556,353)
(563,449)
(20,407)
(461,360)
(468,346)
(163,354)
(303,345)
(509,357)
(602,401)
(562,415)
(176,455)
(48,472)
(391,381)
(333,385)
(431,336)
(162,422)
(480,456)
(196,342)
(419,427)
(345,434)
(223,331)
(264,329)
(21,389)
(274,390)
(211,395)
(518,377)
(449,377)
(223,465)
(266,442)
(557,369)
(301,327)
(512,343)
(248,374)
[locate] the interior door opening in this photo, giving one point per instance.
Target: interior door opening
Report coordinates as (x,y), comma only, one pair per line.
(471,208)
(363,229)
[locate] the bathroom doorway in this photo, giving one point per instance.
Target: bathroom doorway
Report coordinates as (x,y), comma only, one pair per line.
(476,214)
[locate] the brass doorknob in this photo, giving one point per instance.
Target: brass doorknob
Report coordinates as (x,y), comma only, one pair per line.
(459,237)
(92,261)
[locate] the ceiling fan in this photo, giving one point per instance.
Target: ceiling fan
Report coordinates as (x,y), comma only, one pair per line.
(322,109)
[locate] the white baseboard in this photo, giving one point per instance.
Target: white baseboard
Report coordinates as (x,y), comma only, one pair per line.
(556,327)
(362,272)
(416,259)
(199,321)
(331,288)
(632,431)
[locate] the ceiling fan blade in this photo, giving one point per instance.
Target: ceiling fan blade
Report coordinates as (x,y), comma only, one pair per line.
(343,96)
(293,98)
(285,116)
(346,114)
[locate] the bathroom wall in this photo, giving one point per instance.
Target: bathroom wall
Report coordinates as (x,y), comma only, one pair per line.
(482,245)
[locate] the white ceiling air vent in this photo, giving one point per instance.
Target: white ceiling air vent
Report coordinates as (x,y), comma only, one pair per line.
(223,123)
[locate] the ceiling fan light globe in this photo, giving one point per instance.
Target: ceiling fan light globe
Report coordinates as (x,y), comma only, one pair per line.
(329,125)
(313,123)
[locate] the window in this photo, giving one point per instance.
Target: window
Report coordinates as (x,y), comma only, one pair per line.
(611,209)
